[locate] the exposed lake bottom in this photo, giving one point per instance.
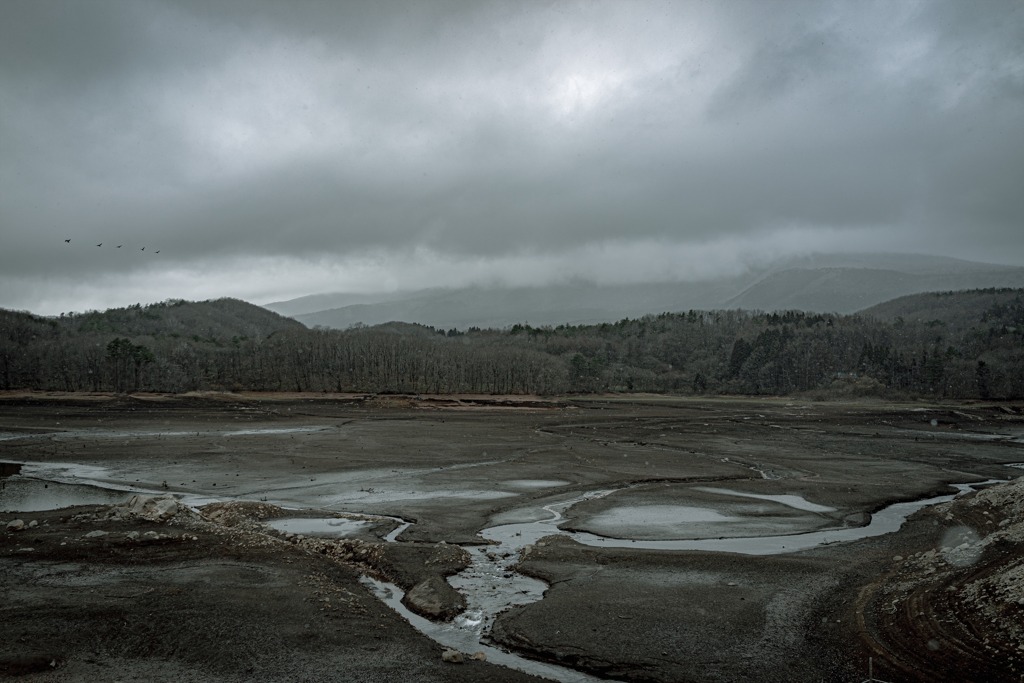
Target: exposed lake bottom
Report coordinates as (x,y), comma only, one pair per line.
(491,584)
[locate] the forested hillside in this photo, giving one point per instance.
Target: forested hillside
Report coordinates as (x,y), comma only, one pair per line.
(157,347)
(958,311)
(231,345)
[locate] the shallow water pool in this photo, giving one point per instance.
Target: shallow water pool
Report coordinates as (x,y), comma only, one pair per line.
(324,527)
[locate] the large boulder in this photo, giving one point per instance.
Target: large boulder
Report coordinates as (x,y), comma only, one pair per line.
(153,508)
(434,599)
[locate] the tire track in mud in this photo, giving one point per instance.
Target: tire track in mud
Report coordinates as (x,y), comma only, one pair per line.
(922,626)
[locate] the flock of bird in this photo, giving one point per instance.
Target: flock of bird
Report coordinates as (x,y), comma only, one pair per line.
(157,251)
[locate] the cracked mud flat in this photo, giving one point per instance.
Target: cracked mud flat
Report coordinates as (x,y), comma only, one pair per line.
(244,605)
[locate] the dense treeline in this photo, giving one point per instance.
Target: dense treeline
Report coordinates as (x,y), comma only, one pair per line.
(230,345)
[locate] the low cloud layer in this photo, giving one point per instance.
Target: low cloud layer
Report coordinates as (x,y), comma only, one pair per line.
(270,150)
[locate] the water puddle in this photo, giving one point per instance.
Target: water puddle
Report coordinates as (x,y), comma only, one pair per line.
(656,520)
(338,527)
(792,501)
(374,496)
(24,494)
(267,431)
(885,521)
(28,487)
(533,484)
(323,527)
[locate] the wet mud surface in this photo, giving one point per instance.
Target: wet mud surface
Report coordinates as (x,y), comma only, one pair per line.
(243,601)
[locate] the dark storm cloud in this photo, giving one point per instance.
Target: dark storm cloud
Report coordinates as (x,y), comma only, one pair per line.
(510,139)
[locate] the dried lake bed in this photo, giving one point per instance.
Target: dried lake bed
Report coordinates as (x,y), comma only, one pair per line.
(635,538)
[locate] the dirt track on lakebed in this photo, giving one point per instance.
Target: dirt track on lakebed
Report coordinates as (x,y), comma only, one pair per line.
(217,596)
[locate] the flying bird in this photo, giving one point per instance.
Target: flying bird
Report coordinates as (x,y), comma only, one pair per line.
(157,251)
(143,249)
(119,246)
(67,241)
(100,244)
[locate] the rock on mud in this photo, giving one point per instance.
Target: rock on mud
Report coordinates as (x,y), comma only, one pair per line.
(434,599)
(152,508)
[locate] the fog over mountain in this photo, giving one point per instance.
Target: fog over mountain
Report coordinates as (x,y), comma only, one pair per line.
(266,151)
(836,284)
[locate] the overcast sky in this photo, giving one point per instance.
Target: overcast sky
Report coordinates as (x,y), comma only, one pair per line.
(274,149)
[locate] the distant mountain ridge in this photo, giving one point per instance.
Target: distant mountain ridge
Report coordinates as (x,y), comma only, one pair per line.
(572,304)
(847,290)
(843,283)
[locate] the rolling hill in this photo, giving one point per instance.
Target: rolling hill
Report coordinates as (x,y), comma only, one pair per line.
(219,319)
